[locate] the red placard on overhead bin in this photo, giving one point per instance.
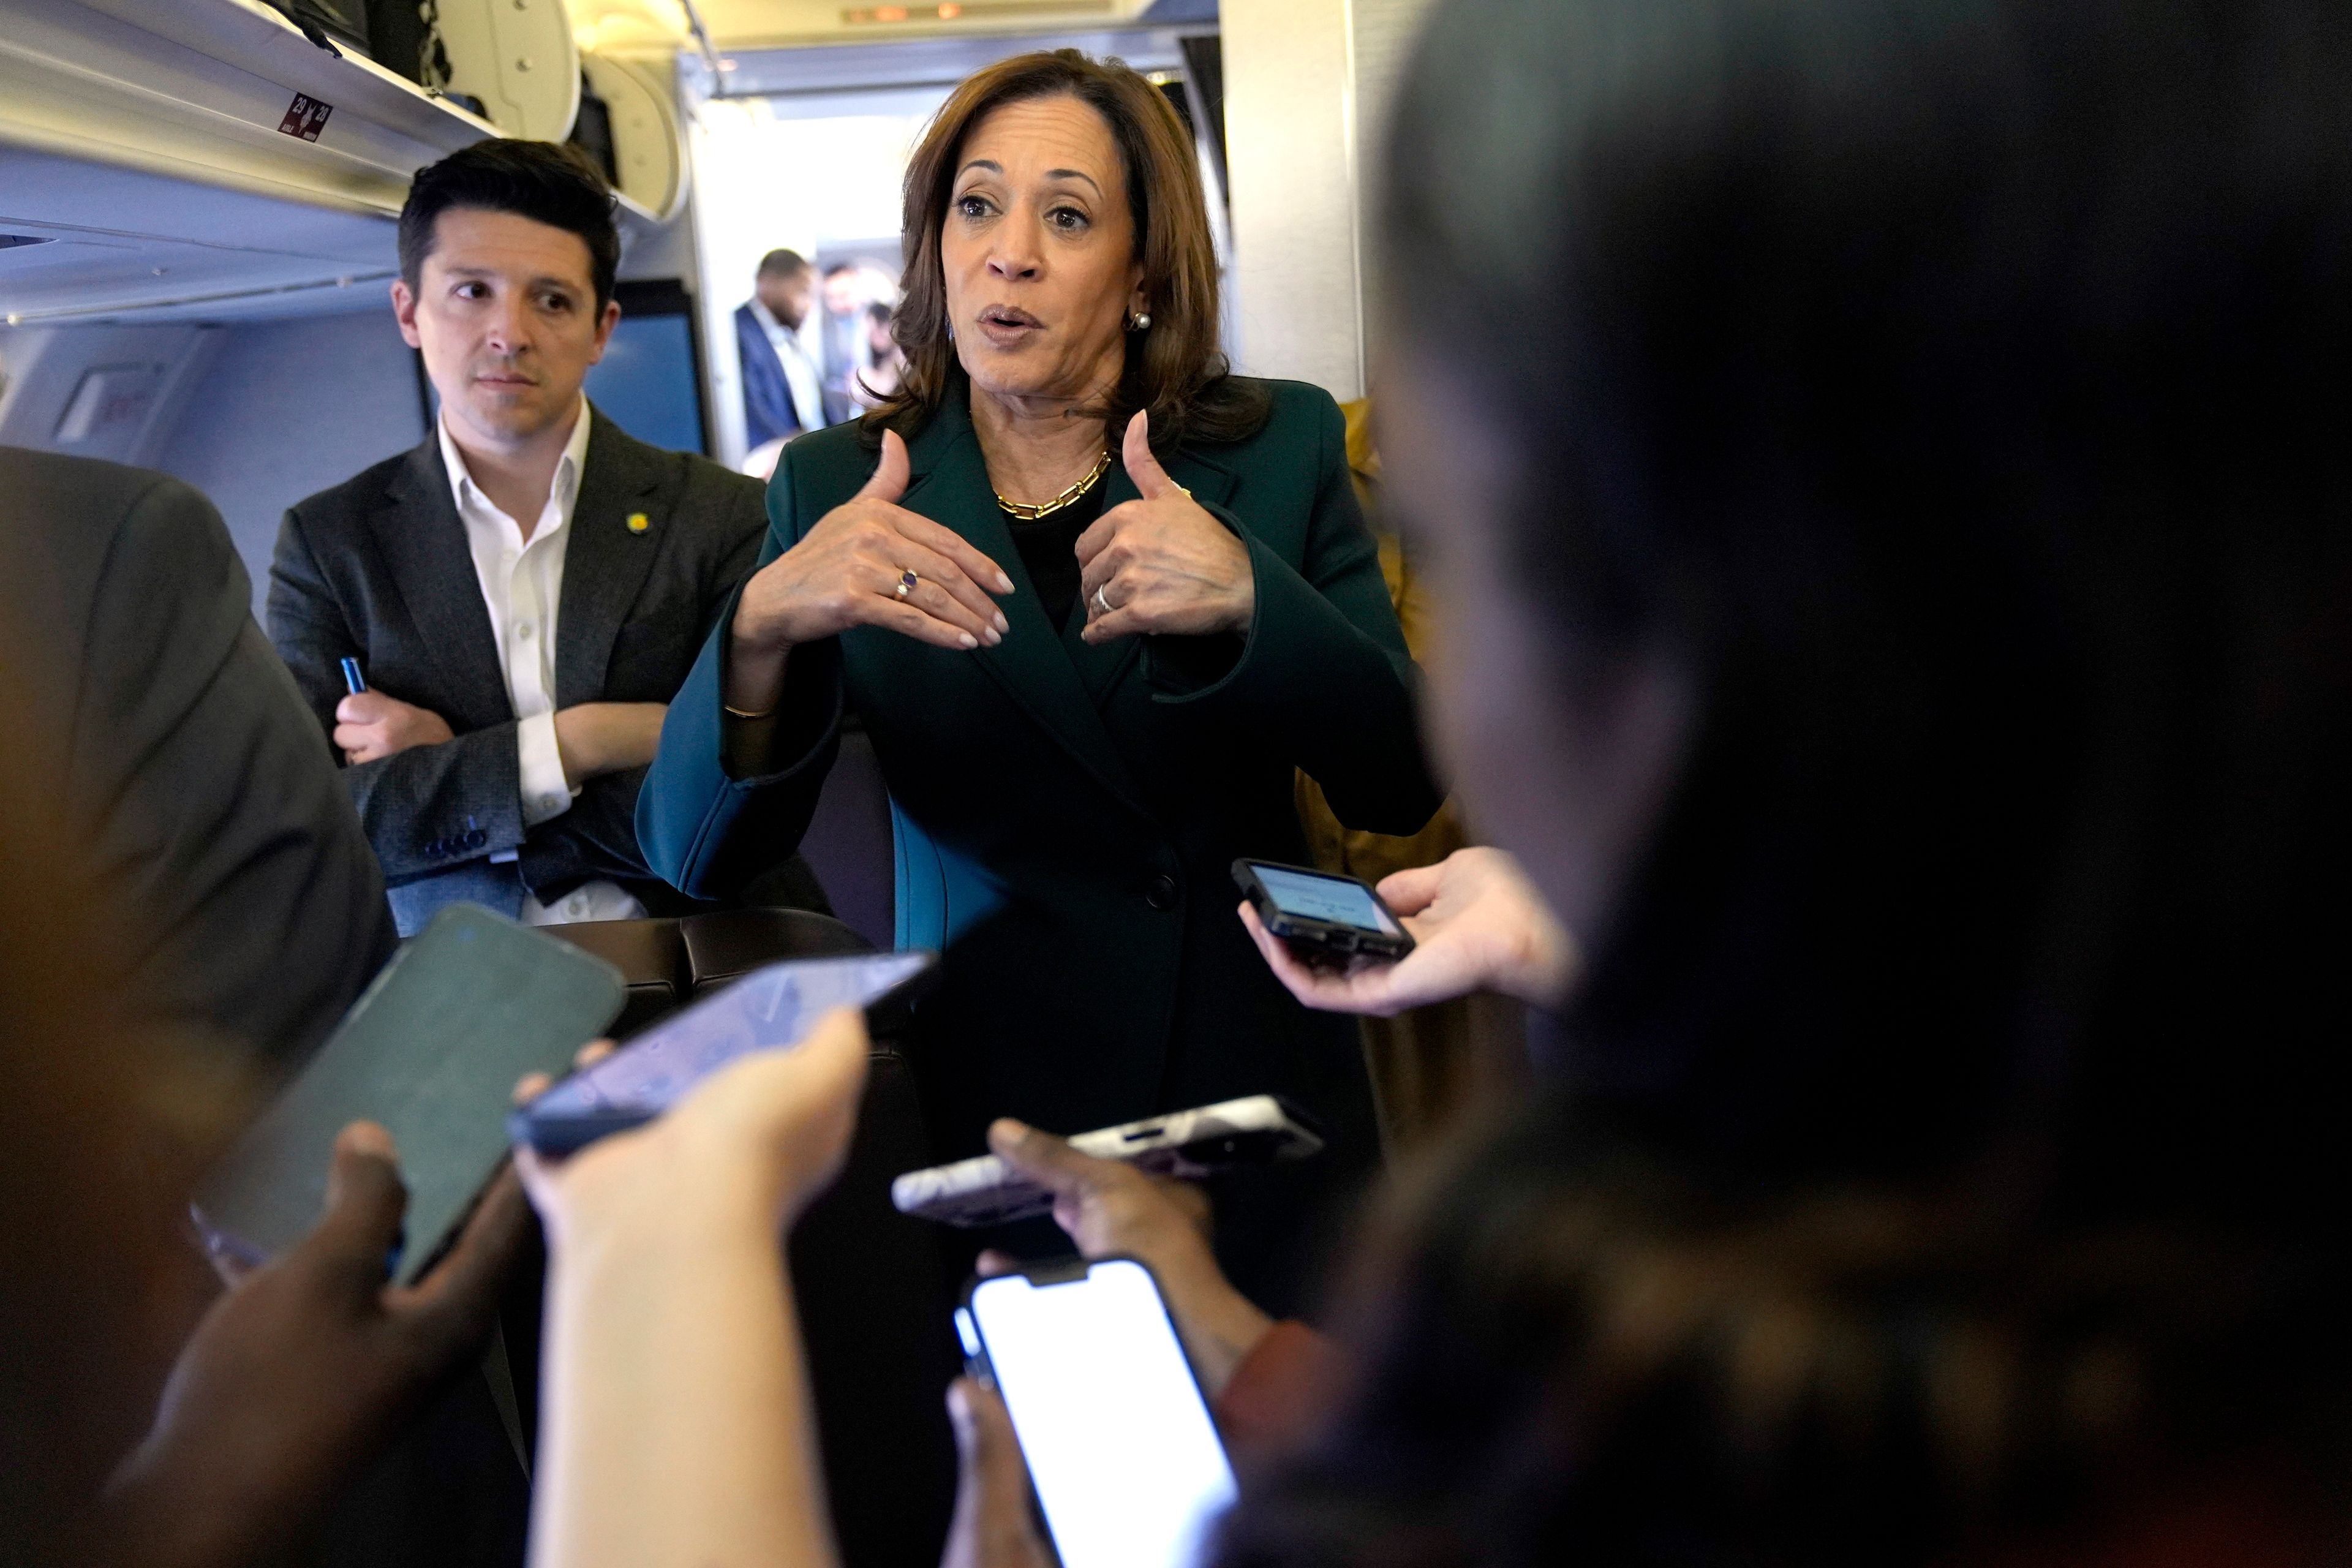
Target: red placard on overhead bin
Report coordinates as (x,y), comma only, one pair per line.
(306,116)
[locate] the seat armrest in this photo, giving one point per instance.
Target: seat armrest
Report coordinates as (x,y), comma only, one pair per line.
(652,959)
(726,943)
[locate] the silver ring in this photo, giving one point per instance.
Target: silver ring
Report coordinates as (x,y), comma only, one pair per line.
(907,581)
(1105,605)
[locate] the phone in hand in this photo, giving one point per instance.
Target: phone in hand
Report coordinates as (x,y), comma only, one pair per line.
(431,1050)
(1121,1448)
(985,1189)
(772,1007)
(1329,920)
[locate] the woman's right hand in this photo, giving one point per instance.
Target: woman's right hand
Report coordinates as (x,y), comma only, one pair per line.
(846,570)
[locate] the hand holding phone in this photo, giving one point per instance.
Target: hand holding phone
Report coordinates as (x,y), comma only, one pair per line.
(429,1052)
(986,1190)
(1329,921)
(294,1374)
(1478,924)
(1121,1447)
(769,1007)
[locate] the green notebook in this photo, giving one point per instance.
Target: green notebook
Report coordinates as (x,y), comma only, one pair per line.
(431,1050)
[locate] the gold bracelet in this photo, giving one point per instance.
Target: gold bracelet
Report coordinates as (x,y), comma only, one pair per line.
(734,712)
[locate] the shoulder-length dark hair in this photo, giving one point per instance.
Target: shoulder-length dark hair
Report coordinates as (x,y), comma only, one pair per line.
(1174,367)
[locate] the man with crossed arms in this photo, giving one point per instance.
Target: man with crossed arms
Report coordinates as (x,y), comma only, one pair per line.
(523,592)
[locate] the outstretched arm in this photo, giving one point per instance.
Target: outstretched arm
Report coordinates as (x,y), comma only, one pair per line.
(678,1426)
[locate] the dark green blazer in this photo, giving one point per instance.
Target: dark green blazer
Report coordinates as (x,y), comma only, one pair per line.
(1066,814)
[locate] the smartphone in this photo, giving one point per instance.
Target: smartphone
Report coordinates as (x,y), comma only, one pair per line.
(985,1189)
(431,1050)
(1126,1461)
(1327,920)
(772,1007)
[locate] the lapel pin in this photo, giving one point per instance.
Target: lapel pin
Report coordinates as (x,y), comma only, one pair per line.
(639,523)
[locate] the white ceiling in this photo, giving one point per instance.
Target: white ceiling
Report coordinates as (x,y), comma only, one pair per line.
(622,24)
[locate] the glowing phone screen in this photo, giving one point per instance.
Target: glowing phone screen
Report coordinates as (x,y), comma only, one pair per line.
(1126,1460)
(1333,899)
(768,1007)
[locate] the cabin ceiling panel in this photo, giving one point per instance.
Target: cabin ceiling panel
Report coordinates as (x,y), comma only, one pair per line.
(116,238)
(771,24)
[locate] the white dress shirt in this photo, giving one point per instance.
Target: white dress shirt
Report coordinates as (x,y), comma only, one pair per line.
(522,585)
(799,374)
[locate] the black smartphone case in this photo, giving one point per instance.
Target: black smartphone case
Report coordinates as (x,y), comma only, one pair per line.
(1335,941)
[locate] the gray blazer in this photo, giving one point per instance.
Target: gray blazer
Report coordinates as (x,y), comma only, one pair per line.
(378,569)
(175,743)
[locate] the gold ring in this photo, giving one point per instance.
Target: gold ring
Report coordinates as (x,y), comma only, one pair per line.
(907,581)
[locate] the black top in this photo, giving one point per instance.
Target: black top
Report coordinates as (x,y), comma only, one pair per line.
(1048,547)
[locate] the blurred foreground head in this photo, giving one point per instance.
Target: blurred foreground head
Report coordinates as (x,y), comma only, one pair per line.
(108,1111)
(1883,467)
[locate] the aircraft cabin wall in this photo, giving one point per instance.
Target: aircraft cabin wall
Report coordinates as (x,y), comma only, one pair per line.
(256,415)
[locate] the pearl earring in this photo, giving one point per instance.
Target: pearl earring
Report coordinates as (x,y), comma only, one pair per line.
(1139,321)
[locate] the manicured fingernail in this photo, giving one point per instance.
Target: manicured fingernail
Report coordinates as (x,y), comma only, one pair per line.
(967,640)
(1003,584)
(1002,624)
(995,637)
(368,1138)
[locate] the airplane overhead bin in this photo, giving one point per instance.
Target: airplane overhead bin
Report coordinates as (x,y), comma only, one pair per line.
(218,92)
(197,220)
(649,158)
(214,153)
(517,57)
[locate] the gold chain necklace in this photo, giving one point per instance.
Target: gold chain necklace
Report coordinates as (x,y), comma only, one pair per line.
(1029,513)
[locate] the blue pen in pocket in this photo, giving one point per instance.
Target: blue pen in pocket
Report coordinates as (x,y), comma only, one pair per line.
(353,680)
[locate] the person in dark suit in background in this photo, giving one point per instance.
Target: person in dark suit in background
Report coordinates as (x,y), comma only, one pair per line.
(190,767)
(523,591)
(781,394)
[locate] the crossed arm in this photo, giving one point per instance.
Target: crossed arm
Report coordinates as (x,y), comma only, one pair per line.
(418,784)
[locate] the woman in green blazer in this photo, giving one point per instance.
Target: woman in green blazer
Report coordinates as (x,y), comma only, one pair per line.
(1088,668)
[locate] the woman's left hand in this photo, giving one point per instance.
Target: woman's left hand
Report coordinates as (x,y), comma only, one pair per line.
(1162,564)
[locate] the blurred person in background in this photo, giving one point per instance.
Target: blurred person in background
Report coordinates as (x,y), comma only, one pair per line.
(879,382)
(1096,600)
(844,331)
(783,392)
(1880,471)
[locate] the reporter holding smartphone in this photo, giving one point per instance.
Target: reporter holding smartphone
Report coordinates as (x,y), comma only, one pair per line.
(1095,601)
(1477,924)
